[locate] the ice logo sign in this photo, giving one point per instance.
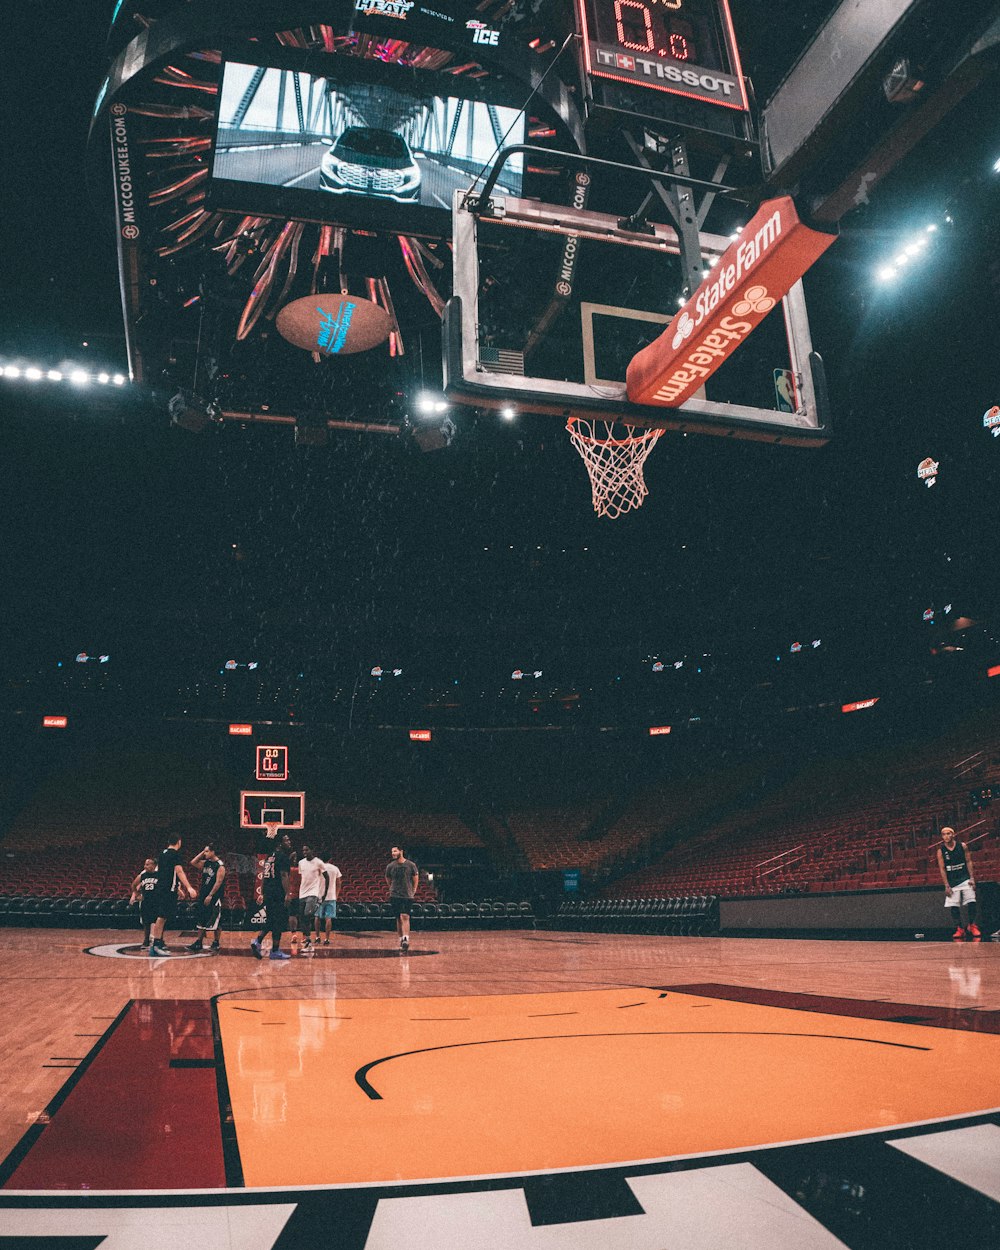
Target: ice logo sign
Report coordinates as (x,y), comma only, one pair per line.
(991,420)
(333,328)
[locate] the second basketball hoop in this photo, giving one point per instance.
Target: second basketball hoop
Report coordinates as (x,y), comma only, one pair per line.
(615,459)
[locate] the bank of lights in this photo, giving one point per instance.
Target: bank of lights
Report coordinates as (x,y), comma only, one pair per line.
(914,250)
(428,405)
(76,377)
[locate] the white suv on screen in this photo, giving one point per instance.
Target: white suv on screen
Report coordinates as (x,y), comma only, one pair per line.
(368,161)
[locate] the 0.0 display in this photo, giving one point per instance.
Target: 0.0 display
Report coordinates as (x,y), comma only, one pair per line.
(345,144)
(683,46)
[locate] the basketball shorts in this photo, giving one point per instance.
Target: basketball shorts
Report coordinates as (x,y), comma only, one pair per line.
(308,907)
(147,912)
(277,911)
(400,906)
(964,892)
(328,909)
(164,904)
(209,914)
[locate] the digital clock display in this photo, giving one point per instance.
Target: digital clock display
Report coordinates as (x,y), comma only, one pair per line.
(686,47)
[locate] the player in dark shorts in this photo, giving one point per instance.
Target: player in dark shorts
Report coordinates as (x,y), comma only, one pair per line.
(403,878)
(143,888)
(169,874)
(277,870)
(213,874)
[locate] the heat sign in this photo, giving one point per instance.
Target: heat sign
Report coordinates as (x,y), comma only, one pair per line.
(750,278)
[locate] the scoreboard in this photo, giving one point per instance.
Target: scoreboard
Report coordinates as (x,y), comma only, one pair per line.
(683,47)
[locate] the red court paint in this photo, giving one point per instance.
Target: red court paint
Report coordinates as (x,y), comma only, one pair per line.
(132,1120)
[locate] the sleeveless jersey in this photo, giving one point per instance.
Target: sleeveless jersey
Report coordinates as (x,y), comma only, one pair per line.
(147,884)
(955,865)
(209,872)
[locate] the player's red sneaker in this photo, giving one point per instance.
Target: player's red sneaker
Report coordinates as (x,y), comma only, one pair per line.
(974,931)
(959,933)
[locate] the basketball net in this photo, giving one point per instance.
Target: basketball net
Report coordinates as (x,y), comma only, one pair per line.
(614,464)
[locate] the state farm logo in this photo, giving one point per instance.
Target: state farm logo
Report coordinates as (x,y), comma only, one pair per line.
(755,299)
(685,328)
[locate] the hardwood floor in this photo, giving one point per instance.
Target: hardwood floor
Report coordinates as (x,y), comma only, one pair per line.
(58,999)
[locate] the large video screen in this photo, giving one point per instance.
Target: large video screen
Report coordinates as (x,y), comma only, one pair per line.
(345,144)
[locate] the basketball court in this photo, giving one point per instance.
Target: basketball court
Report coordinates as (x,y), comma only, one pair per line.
(613,239)
(536,1087)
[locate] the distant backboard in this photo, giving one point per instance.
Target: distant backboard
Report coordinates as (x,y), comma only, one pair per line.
(551,303)
(261,808)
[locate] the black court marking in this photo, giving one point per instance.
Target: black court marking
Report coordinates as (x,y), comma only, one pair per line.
(52,1241)
(253,1010)
(16,1157)
(571,1197)
(312,1017)
(540,1015)
(361,1075)
(192,1063)
(440,1018)
(231,1162)
(622,1006)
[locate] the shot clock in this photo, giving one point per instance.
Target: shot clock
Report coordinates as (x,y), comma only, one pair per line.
(684,47)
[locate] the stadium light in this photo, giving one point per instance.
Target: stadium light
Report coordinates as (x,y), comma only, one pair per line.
(79,377)
(508,414)
(428,404)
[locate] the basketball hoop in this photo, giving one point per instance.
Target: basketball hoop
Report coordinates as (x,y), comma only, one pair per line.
(271,831)
(614,464)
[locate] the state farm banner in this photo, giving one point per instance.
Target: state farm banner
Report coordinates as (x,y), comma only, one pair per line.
(759,269)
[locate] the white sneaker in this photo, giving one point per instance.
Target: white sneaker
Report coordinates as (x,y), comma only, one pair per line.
(404,943)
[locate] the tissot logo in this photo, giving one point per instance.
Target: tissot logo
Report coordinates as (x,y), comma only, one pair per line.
(691,80)
(384,8)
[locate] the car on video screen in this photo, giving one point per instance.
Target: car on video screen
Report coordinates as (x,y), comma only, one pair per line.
(366,160)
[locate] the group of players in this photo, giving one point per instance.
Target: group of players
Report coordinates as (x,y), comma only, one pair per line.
(313,907)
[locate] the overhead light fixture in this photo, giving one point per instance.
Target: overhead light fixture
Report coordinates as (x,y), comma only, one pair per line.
(80,377)
(508,414)
(428,405)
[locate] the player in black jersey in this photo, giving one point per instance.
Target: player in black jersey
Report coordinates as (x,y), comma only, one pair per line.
(143,888)
(955,863)
(277,870)
(169,876)
(213,874)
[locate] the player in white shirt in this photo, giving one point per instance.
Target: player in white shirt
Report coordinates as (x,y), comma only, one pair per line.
(328,906)
(312,886)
